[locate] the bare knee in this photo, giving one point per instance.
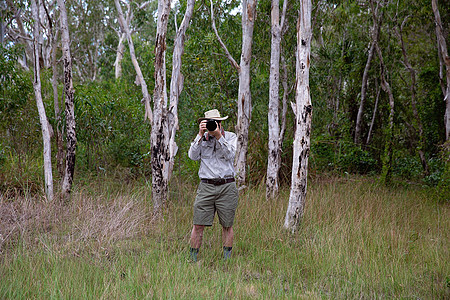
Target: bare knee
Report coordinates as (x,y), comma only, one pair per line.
(198,229)
(227,229)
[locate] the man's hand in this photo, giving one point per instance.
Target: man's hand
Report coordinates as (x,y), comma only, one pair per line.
(202,128)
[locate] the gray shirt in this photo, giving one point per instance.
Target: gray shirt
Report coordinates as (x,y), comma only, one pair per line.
(216,156)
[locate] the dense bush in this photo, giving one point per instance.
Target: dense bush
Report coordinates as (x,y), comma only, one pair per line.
(443,186)
(110,127)
(19,121)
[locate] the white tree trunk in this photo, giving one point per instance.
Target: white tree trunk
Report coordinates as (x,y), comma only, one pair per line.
(375,108)
(284,81)
(176,83)
(119,56)
(160,131)
(126,29)
(244,95)
(273,159)
(69,103)
(40,105)
(58,135)
(303,113)
(121,47)
(359,117)
(444,53)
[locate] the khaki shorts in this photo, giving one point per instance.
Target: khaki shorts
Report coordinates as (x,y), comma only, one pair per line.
(211,198)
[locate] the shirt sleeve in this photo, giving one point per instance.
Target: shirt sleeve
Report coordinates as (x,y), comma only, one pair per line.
(194,150)
(227,146)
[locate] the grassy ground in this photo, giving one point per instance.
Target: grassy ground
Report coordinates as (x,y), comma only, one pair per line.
(357,240)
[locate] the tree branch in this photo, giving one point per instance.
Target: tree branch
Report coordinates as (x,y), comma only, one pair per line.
(230,58)
(283,15)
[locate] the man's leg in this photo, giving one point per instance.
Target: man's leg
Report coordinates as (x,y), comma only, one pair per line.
(196,240)
(227,238)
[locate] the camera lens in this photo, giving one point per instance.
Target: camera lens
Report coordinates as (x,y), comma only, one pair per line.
(211,125)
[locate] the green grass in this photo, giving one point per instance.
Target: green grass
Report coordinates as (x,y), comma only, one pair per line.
(357,240)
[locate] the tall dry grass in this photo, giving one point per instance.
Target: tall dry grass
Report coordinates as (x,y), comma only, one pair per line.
(357,240)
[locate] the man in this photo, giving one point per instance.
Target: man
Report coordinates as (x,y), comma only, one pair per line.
(215,148)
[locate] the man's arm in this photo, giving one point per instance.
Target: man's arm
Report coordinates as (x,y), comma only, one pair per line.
(194,150)
(227,146)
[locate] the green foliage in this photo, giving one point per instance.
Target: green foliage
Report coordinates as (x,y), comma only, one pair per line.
(407,166)
(19,121)
(341,155)
(15,86)
(443,186)
(111,132)
(20,175)
(110,127)
(432,108)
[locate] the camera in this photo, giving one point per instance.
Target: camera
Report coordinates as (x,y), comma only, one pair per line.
(211,125)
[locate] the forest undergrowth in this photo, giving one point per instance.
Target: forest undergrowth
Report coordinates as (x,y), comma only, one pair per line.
(358,239)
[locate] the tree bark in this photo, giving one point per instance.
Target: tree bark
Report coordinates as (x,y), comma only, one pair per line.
(442,45)
(69,103)
(58,134)
(160,131)
(119,56)
(244,95)
(374,35)
(274,153)
(176,83)
(375,108)
(40,105)
(126,29)
(284,81)
(303,114)
(121,47)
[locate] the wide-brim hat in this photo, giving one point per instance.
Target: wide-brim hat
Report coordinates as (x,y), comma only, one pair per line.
(212,114)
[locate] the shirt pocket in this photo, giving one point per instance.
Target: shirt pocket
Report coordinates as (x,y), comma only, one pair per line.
(207,150)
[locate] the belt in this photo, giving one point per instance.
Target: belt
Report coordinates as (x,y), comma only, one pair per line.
(218,181)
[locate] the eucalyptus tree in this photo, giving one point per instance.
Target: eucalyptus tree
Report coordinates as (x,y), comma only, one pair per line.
(374,40)
(17,31)
(160,131)
(303,113)
(120,45)
(45,126)
(176,83)
(69,92)
(124,25)
(244,101)
(442,49)
(52,31)
(275,138)
(123,35)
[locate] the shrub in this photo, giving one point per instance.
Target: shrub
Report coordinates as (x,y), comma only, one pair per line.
(408,167)
(443,184)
